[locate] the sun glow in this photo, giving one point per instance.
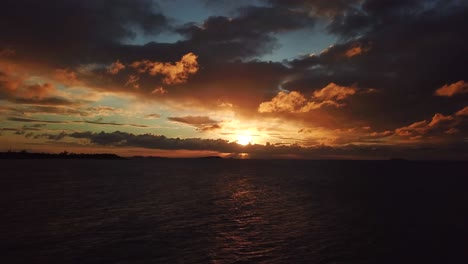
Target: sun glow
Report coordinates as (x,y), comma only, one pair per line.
(244,139)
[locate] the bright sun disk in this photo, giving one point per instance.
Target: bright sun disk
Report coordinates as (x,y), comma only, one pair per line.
(244,140)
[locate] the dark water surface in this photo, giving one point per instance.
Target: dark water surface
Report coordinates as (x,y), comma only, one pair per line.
(233,211)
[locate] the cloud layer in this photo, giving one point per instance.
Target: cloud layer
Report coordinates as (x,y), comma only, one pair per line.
(395,68)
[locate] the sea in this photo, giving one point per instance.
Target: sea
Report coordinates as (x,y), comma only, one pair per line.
(233,211)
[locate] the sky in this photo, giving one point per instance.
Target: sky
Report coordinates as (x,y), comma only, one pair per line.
(302,79)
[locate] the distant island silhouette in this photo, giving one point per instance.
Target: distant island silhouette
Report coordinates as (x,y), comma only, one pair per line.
(63,155)
(68,155)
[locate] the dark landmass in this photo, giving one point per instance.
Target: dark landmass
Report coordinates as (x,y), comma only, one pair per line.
(398,159)
(148,157)
(211,157)
(158,157)
(63,155)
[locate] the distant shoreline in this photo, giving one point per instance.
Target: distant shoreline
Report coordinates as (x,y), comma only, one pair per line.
(63,155)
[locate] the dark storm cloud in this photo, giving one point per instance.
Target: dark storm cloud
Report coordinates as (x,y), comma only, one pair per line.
(68,33)
(318,7)
(409,50)
(124,139)
(67,29)
(248,34)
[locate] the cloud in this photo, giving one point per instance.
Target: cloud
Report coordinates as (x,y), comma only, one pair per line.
(284,102)
(173,73)
(193,120)
(202,123)
(152,116)
(334,92)
(28,120)
(159,91)
(66,76)
(7,52)
(122,139)
(356,50)
(100,111)
(295,102)
(133,81)
(99,121)
(50,109)
(329,8)
(16,88)
(400,61)
(463,112)
(439,126)
(8,83)
(449,90)
(36,91)
(58,101)
(378,44)
(115,67)
(87,29)
(149,141)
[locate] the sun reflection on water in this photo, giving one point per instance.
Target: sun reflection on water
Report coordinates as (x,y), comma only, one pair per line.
(240,236)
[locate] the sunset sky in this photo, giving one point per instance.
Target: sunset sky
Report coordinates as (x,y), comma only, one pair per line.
(332,79)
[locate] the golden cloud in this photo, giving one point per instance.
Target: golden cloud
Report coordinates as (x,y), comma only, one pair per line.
(463,112)
(133,81)
(284,102)
(173,73)
(439,124)
(448,90)
(356,50)
(66,76)
(159,91)
(334,91)
(295,102)
(115,67)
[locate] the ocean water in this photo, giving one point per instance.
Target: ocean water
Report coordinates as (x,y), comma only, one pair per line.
(233,211)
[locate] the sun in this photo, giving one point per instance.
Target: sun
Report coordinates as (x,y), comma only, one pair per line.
(244,139)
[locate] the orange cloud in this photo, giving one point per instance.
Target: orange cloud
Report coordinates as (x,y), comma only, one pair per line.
(440,124)
(115,67)
(284,102)
(173,73)
(9,83)
(354,51)
(459,87)
(439,118)
(7,52)
(295,102)
(316,105)
(133,81)
(66,76)
(159,91)
(463,112)
(35,91)
(334,91)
